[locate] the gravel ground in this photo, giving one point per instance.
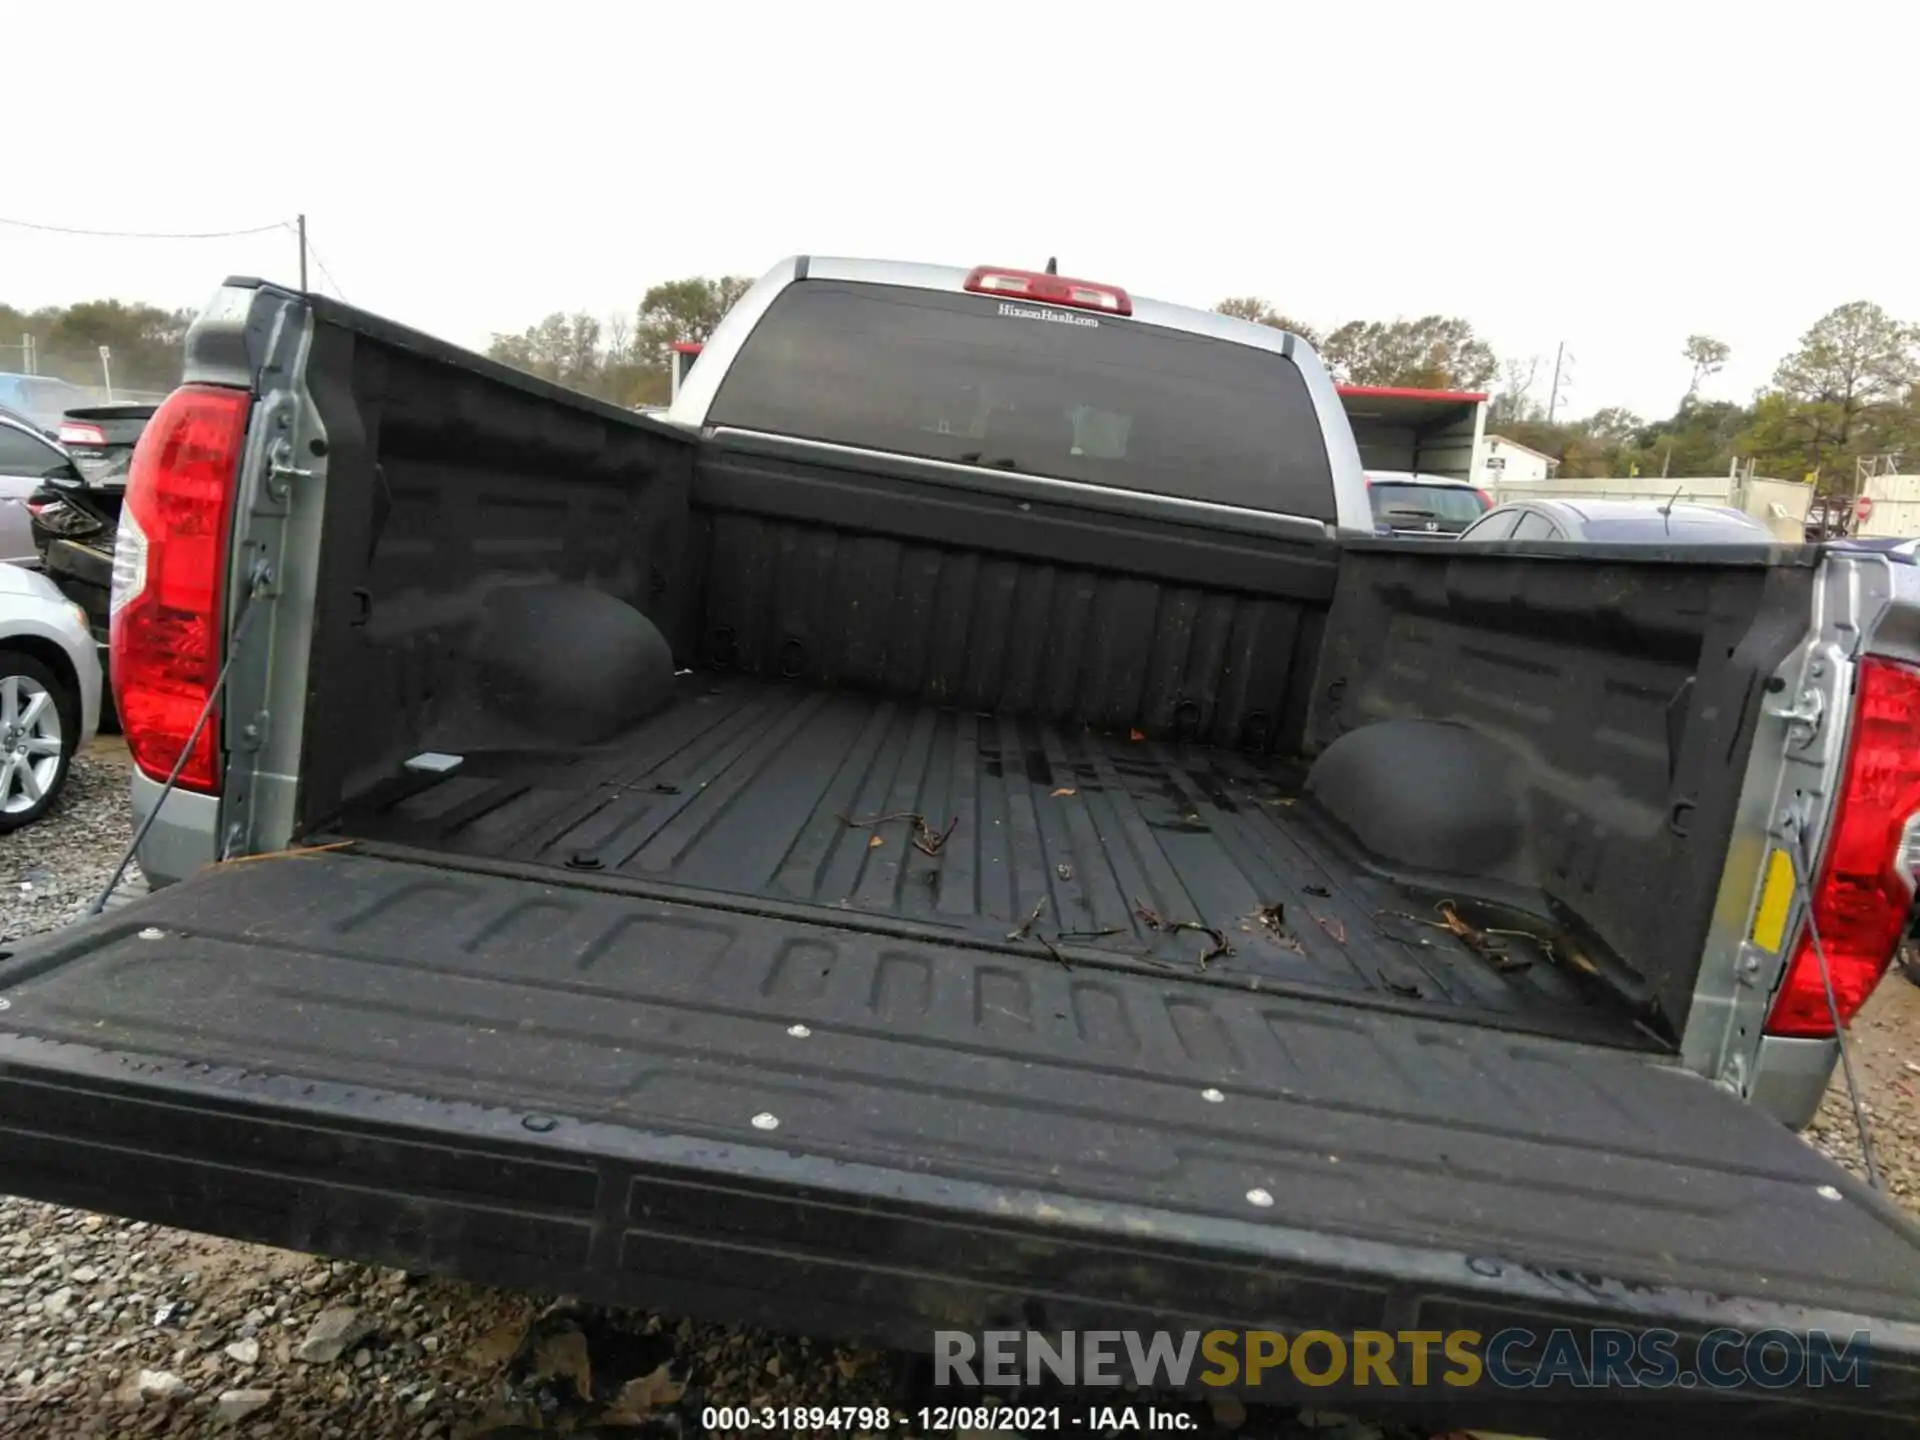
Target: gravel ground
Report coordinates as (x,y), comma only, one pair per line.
(50,872)
(1886,1058)
(115,1328)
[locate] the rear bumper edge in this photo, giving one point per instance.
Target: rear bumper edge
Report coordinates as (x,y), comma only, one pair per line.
(184,837)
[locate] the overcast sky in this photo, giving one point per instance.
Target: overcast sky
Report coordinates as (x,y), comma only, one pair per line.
(1617,175)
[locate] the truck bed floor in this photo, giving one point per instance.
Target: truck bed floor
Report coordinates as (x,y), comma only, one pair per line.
(1062,843)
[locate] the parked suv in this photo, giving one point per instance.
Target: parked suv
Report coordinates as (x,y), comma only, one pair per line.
(1423,506)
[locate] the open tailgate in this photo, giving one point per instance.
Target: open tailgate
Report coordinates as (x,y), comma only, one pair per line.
(570,1090)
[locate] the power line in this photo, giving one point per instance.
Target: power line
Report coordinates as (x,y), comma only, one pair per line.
(322,265)
(144,234)
(287,225)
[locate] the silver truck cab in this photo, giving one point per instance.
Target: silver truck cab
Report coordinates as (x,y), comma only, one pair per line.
(694,401)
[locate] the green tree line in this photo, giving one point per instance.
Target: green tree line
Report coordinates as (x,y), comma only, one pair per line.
(65,340)
(1850,390)
(624,358)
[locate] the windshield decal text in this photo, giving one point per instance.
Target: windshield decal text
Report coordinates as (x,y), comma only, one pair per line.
(1058,317)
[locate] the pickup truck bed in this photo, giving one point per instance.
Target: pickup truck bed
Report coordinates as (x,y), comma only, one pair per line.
(631,1004)
(752,793)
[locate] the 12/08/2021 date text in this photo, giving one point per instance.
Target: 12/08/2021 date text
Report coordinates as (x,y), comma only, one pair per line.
(940,1419)
(1044,1419)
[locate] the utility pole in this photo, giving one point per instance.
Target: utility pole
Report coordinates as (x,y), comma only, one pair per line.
(303,251)
(1553,395)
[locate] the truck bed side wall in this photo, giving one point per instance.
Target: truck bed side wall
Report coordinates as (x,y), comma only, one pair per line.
(446,482)
(1622,692)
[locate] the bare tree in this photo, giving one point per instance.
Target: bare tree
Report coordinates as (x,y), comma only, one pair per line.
(1251,307)
(1513,403)
(1707,355)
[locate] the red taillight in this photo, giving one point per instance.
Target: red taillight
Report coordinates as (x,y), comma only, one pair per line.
(81,432)
(1486,500)
(1049,289)
(169,580)
(1865,889)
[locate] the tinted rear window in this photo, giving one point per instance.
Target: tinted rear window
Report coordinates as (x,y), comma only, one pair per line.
(973,379)
(1425,502)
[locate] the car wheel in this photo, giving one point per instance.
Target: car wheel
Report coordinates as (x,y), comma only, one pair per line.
(39,725)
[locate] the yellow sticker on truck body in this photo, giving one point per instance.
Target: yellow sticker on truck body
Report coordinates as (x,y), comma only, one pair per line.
(1776,903)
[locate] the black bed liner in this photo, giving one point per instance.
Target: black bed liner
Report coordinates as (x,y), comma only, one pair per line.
(742,793)
(557,1088)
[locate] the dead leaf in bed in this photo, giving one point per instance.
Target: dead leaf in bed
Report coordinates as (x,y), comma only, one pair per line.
(874,842)
(1273,920)
(1063,790)
(1487,947)
(1331,924)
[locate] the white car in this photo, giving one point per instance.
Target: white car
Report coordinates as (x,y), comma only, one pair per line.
(49,692)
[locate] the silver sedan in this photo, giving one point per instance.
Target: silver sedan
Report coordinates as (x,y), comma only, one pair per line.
(1618,522)
(49,693)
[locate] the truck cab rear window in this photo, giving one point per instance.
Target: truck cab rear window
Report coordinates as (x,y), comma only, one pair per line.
(1032,389)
